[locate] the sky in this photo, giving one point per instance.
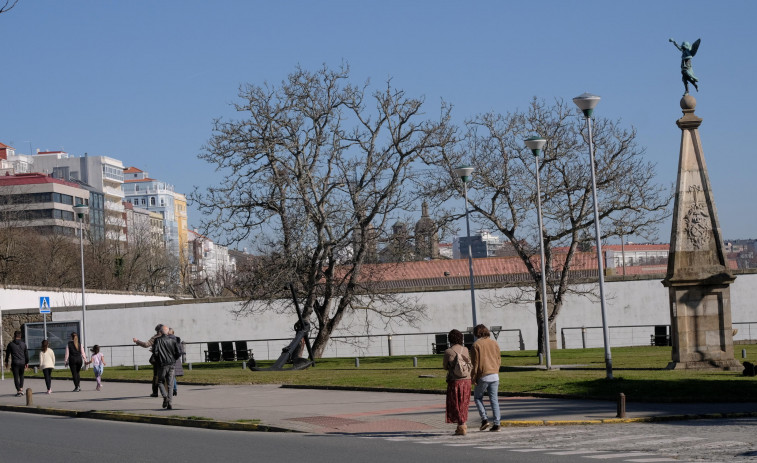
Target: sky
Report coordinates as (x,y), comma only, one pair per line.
(143,81)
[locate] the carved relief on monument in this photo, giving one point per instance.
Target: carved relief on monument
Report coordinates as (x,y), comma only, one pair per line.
(697,220)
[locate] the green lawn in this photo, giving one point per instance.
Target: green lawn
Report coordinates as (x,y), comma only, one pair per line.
(639,373)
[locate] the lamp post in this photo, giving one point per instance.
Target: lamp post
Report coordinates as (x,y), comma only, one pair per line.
(80,210)
(535,144)
(464,172)
(586,102)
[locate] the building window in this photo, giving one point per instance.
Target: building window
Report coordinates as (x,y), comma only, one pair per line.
(143,201)
(152,201)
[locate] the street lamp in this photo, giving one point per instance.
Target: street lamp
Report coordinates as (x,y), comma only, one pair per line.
(586,102)
(80,210)
(535,144)
(464,172)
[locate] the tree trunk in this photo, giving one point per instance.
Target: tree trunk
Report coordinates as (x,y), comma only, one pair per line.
(322,340)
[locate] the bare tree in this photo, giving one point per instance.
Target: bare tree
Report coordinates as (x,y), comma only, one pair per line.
(503,190)
(315,167)
(7,5)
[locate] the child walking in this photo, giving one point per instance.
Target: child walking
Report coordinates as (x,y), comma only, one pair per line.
(98,362)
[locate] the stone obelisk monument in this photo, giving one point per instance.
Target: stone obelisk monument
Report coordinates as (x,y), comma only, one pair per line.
(698,277)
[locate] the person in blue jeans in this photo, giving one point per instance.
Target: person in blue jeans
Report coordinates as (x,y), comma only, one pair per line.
(486,358)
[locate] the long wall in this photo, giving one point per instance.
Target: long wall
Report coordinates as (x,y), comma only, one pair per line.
(639,302)
(23,297)
(23,302)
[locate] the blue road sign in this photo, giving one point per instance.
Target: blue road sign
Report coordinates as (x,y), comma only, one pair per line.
(44,304)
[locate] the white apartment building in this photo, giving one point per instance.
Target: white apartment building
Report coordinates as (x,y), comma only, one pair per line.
(103,173)
(207,259)
(157,196)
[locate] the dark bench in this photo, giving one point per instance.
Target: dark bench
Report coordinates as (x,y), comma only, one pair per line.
(243,353)
(441,343)
(227,351)
(213,354)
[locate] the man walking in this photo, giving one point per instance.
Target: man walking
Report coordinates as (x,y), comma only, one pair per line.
(149,343)
(167,352)
(19,356)
(486,359)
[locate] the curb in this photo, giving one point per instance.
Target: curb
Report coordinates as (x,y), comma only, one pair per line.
(146,419)
(644,419)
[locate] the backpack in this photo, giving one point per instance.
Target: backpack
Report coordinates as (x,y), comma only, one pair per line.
(461,366)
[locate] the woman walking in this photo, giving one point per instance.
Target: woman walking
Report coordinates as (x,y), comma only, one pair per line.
(98,362)
(46,364)
(458,365)
(75,358)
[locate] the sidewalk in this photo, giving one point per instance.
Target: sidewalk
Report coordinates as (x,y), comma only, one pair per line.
(324,411)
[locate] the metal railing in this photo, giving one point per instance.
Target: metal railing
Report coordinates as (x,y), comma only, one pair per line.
(747,332)
(578,337)
(375,345)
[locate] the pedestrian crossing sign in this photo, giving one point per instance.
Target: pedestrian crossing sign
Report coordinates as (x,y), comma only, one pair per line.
(44,304)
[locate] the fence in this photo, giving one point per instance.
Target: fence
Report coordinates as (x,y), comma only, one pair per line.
(339,346)
(577,337)
(747,332)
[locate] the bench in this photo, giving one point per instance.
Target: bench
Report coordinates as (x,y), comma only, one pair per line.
(228,351)
(441,343)
(213,354)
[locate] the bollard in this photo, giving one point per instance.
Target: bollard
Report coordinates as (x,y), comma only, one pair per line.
(621,405)
(190,367)
(136,367)
(244,365)
(541,358)
(357,362)
(29,399)
(36,370)
(415,362)
(743,353)
(389,341)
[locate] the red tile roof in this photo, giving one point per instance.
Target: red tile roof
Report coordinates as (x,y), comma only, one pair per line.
(33,179)
(134,180)
(3,145)
(132,170)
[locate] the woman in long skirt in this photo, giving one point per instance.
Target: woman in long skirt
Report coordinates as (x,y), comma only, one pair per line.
(458,382)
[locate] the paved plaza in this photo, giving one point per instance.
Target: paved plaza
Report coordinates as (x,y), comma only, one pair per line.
(336,411)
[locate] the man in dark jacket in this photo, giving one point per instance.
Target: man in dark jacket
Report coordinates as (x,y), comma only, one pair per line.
(19,356)
(166,351)
(148,344)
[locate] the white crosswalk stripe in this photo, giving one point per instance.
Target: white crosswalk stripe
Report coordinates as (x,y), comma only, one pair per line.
(637,443)
(652,460)
(620,455)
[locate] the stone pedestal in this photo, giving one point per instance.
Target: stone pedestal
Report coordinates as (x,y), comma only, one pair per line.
(698,277)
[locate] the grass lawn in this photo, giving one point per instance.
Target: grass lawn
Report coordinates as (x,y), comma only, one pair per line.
(638,372)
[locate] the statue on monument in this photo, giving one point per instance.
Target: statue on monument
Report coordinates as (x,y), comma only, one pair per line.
(687,72)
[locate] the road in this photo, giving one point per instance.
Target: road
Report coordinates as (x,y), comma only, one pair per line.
(39,438)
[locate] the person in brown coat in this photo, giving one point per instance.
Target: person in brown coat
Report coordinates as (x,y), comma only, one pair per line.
(486,358)
(458,387)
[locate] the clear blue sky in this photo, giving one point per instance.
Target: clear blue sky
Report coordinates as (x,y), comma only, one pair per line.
(142,81)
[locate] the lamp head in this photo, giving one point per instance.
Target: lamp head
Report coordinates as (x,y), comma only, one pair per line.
(586,102)
(535,144)
(80,210)
(464,172)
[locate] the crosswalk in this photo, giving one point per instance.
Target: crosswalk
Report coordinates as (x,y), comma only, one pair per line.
(638,443)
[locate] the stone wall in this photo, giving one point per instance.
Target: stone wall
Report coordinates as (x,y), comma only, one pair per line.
(14,321)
